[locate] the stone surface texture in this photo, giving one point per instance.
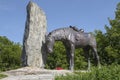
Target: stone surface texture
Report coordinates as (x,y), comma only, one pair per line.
(34,37)
(30,73)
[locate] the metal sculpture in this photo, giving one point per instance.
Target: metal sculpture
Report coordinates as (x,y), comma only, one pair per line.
(73,38)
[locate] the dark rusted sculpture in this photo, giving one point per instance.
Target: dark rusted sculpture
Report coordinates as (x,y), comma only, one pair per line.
(73,38)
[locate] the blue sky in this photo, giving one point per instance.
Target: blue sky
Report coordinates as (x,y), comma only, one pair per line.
(87,14)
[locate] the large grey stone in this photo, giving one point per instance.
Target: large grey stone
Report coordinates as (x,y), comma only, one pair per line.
(34,37)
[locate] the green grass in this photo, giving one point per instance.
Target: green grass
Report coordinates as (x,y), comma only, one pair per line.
(105,73)
(2,76)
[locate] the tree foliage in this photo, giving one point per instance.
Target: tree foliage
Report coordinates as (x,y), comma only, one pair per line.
(59,59)
(10,53)
(109,42)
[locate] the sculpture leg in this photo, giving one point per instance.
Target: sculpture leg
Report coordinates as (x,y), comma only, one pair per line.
(89,64)
(97,61)
(68,56)
(72,57)
(44,55)
(70,48)
(67,47)
(44,58)
(86,50)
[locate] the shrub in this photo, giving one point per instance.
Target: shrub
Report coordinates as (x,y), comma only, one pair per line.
(105,73)
(2,76)
(10,54)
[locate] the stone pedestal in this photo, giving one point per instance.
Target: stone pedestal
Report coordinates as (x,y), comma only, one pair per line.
(34,37)
(28,73)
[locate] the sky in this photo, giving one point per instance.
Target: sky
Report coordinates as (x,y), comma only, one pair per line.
(89,15)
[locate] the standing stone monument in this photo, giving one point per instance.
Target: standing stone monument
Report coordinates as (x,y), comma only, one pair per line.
(34,37)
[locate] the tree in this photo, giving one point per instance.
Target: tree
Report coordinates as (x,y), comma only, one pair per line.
(113,37)
(109,42)
(59,59)
(10,53)
(101,44)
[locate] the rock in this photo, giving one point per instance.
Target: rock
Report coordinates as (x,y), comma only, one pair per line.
(34,37)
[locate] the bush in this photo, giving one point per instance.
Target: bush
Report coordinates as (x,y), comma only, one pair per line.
(105,73)
(2,76)
(10,54)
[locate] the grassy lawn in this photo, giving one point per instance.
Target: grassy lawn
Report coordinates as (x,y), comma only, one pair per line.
(2,76)
(105,73)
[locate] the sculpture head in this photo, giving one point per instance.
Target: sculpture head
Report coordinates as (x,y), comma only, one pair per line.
(49,44)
